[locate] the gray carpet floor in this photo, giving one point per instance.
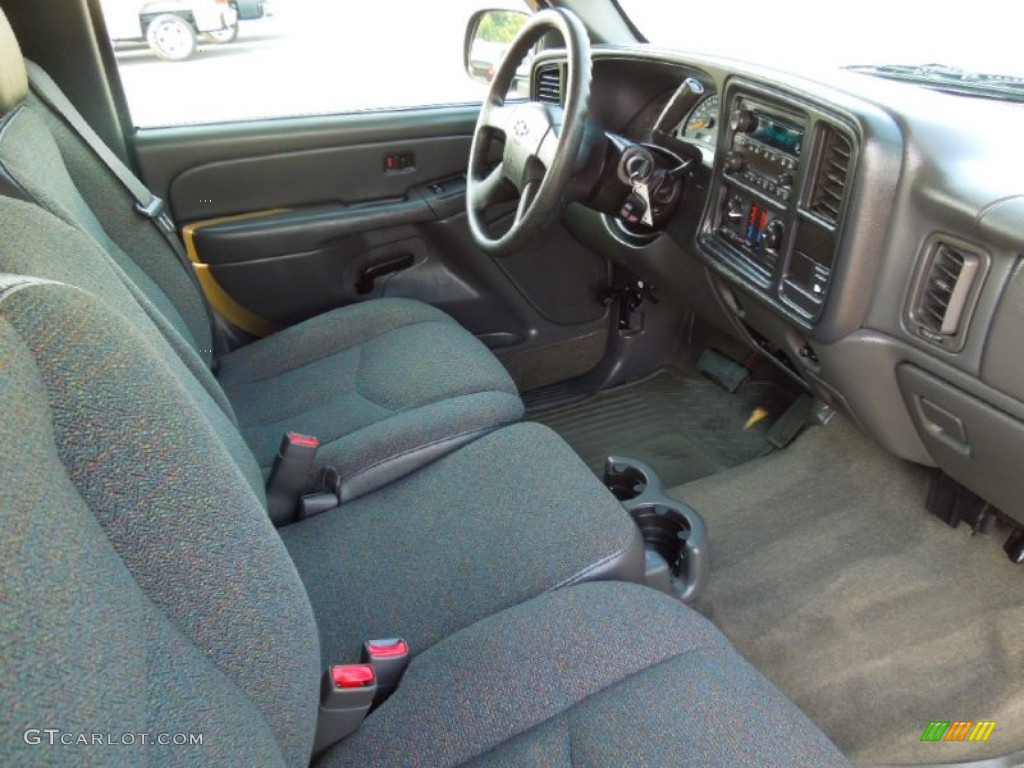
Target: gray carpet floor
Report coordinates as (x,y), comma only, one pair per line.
(681,423)
(869,613)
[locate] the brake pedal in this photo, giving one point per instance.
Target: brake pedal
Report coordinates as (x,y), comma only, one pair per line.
(722,370)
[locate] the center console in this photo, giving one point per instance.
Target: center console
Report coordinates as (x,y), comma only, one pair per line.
(778,198)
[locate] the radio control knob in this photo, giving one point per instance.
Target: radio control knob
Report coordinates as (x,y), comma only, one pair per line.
(742,121)
(735,162)
(773,234)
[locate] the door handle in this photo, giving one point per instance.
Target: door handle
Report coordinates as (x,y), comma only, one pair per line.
(370,274)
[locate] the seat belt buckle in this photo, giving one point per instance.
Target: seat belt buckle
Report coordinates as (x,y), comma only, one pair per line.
(346,695)
(291,474)
(389,658)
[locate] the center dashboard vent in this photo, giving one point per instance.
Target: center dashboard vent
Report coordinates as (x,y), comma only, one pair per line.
(947,289)
(549,85)
(833,175)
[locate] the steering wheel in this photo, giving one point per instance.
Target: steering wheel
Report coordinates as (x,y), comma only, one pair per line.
(542,141)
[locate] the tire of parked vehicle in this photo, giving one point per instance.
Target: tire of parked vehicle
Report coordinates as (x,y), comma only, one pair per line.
(221,36)
(171,37)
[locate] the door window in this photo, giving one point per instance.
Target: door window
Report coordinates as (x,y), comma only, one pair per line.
(205,61)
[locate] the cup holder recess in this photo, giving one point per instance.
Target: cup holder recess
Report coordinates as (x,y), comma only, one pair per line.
(675,535)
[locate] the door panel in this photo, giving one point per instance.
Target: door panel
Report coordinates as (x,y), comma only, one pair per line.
(284,224)
(345,173)
(165,153)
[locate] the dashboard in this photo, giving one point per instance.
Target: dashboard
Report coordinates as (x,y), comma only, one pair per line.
(865,235)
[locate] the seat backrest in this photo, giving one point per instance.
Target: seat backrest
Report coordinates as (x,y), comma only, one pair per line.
(33,166)
(144,589)
(33,242)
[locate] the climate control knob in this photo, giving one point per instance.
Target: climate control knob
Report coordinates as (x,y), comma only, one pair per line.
(742,121)
(735,162)
(773,234)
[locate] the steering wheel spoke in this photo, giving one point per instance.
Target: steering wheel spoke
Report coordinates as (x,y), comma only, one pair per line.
(493,189)
(547,152)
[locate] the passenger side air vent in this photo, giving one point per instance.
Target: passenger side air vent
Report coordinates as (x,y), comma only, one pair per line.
(948,285)
(832,176)
(549,85)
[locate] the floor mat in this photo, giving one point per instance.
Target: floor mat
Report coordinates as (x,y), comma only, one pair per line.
(873,616)
(679,422)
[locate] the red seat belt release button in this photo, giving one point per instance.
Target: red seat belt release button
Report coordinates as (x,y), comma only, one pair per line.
(352,676)
(346,695)
(387,649)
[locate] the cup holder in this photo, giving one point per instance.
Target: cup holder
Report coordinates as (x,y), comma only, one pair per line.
(625,480)
(675,535)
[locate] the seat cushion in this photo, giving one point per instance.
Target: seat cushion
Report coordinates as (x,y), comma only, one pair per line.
(499,521)
(386,386)
(594,675)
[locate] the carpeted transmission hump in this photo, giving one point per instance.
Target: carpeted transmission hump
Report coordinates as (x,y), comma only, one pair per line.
(681,423)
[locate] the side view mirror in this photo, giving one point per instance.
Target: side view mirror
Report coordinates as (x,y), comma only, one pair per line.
(488,35)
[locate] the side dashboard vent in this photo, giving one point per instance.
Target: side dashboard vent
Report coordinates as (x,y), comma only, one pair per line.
(549,85)
(833,175)
(948,287)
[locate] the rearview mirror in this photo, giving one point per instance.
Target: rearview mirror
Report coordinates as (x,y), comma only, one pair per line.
(488,36)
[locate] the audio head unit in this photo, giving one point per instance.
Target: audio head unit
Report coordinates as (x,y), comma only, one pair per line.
(765,148)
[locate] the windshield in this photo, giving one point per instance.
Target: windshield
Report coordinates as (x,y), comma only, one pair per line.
(981,36)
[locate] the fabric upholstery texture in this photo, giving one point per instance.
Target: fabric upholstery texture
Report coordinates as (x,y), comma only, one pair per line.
(602,674)
(510,516)
(31,156)
(131,549)
(34,242)
(133,234)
